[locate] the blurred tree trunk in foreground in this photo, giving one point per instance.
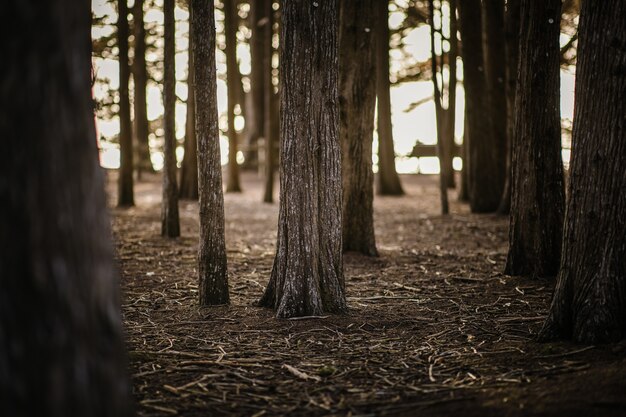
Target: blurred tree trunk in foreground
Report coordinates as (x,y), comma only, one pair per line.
(125,195)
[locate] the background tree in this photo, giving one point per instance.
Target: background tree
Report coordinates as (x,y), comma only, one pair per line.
(125,195)
(538,196)
(388,179)
(269,104)
(307,276)
(189,166)
(170,225)
(212,269)
(61,347)
(357,99)
(232,69)
(589,303)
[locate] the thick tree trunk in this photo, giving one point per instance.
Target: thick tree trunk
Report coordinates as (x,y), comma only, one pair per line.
(307,276)
(125,195)
(511,30)
(212,270)
(589,303)
(357,63)
(189,168)
(538,196)
(388,179)
(232,68)
(485,179)
(269,106)
(61,343)
(140,79)
(170,225)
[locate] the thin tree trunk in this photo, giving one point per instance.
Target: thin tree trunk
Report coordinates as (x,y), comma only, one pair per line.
(589,303)
(230,32)
(388,179)
(538,196)
(464,189)
(125,195)
(450,114)
(212,268)
(189,168)
(357,63)
(268,106)
(170,225)
(307,276)
(62,350)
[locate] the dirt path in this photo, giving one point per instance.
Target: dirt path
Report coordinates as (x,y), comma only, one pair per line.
(433,329)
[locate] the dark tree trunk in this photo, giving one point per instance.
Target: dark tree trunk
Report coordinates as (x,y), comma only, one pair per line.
(307,276)
(450,114)
(388,179)
(212,270)
(485,179)
(230,34)
(61,346)
(357,63)
(170,225)
(125,195)
(189,168)
(589,303)
(511,31)
(464,189)
(269,106)
(140,79)
(538,196)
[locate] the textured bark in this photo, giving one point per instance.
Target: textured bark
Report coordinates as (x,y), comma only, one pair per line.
(125,195)
(189,168)
(269,106)
(511,30)
(307,276)
(589,303)
(140,79)
(357,63)
(61,347)
(212,269)
(485,180)
(170,225)
(388,179)
(538,196)
(232,68)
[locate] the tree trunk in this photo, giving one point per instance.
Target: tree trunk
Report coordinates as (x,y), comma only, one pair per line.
(589,303)
(357,63)
(170,226)
(125,195)
(269,106)
(485,179)
(230,34)
(511,30)
(189,168)
(212,269)
(140,79)
(538,196)
(464,189)
(388,179)
(307,276)
(62,351)
(450,114)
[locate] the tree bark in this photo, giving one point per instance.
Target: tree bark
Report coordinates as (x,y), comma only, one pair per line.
(589,303)
(307,276)
(170,225)
(232,68)
(61,342)
(357,100)
(538,196)
(269,105)
(465,182)
(212,268)
(450,113)
(189,168)
(388,179)
(125,197)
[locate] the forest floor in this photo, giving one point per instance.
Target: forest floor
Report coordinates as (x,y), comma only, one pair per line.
(434,328)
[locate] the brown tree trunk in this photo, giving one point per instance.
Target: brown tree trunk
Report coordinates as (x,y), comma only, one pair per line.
(450,114)
(61,342)
(538,196)
(464,189)
(125,195)
(357,63)
(511,30)
(307,276)
(388,179)
(230,33)
(140,79)
(170,225)
(269,106)
(189,168)
(589,303)
(485,179)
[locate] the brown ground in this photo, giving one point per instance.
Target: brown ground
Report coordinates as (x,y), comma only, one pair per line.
(434,327)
